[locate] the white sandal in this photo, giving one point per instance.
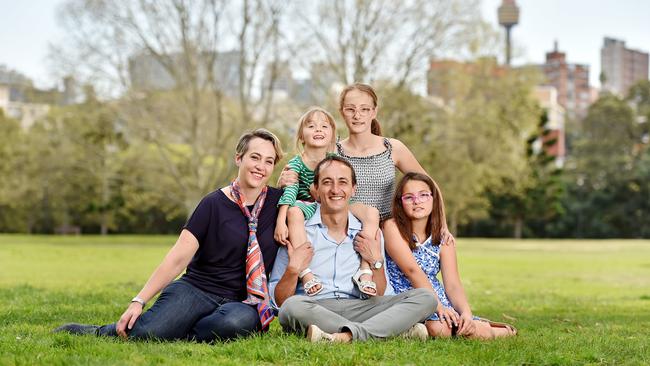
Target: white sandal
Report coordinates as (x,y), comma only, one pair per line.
(315,281)
(364,285)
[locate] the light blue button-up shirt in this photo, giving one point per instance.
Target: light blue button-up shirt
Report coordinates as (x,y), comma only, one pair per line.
(333,263)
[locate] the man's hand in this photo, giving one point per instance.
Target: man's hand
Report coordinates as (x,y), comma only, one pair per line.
(127,319)
(368,247)
(300,256)
(287,177)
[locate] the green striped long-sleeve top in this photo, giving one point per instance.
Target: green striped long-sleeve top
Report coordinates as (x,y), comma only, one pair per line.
(299,190)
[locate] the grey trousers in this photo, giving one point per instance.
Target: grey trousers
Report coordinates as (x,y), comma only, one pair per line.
(376,317)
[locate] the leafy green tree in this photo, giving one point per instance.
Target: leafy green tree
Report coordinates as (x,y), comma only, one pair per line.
(528,211)
(607,173)
(605,150)
(78,151)
(201,99)
(469,136)
(11,138)
(28,199)
(639,97)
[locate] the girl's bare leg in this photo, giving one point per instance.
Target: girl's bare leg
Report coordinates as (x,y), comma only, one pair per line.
(437,329)
(483,330)
(298,237)
(369,217)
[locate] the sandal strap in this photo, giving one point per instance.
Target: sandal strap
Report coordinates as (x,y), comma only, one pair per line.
(363,271)
(500,325)
(304,272)
(368,284)
(311,283)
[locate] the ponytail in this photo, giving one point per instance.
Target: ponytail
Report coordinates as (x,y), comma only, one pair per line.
(375,128)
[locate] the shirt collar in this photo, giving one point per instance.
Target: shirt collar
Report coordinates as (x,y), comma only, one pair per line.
(353,223)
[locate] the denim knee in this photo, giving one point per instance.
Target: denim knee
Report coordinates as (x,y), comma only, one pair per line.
(230,320)
(239,318)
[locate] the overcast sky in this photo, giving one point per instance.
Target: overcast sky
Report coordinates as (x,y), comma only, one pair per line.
(26,28)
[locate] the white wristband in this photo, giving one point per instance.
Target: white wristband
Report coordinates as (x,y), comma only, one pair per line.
(139,301)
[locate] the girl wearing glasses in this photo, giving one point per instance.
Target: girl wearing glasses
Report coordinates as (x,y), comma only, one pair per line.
(373,156)
(415,256)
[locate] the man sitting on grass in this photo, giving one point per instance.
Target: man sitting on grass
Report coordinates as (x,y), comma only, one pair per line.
(337,313)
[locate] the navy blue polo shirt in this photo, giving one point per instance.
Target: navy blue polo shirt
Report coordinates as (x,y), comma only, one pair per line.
(219,265)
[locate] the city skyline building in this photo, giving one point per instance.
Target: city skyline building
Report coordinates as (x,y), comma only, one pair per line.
(621,67)
(278,80)
(548,98)
(148,72)
(20,100)
(571,82)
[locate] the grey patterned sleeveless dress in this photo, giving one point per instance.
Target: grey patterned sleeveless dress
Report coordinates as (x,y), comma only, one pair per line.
(375,178)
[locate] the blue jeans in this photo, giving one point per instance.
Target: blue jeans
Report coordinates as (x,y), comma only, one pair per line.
(183,311)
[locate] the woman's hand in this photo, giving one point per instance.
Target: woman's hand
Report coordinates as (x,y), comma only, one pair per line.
(466,325)
(287,177)
(446,237)
(281,234)
(447,315)
(127,319)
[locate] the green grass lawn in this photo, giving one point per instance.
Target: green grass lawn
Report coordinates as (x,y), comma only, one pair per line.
(574,302)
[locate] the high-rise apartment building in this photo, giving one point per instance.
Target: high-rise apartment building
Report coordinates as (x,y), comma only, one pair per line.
(547,97)
(571,82)
(148,72)
(21,100)
(621,67)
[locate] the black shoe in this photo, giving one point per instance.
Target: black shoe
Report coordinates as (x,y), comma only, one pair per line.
(78,329)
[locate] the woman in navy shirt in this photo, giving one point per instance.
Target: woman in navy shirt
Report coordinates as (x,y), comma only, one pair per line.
(226,249)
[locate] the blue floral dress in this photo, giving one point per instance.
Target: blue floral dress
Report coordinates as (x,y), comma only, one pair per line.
(427,256)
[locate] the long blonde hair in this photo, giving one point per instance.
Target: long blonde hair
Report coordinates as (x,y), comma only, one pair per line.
(300,143)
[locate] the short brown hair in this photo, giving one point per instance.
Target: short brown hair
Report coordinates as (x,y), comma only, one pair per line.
(264,134)
(328,160)
(437,217)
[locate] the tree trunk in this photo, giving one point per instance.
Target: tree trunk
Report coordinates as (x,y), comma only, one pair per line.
(519,224)
(104,226)
(453,224)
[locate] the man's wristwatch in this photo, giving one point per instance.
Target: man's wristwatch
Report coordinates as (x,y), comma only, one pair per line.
(377,264)
(139,301)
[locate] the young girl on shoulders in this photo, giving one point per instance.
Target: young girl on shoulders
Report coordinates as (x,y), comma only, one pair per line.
(315,139)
